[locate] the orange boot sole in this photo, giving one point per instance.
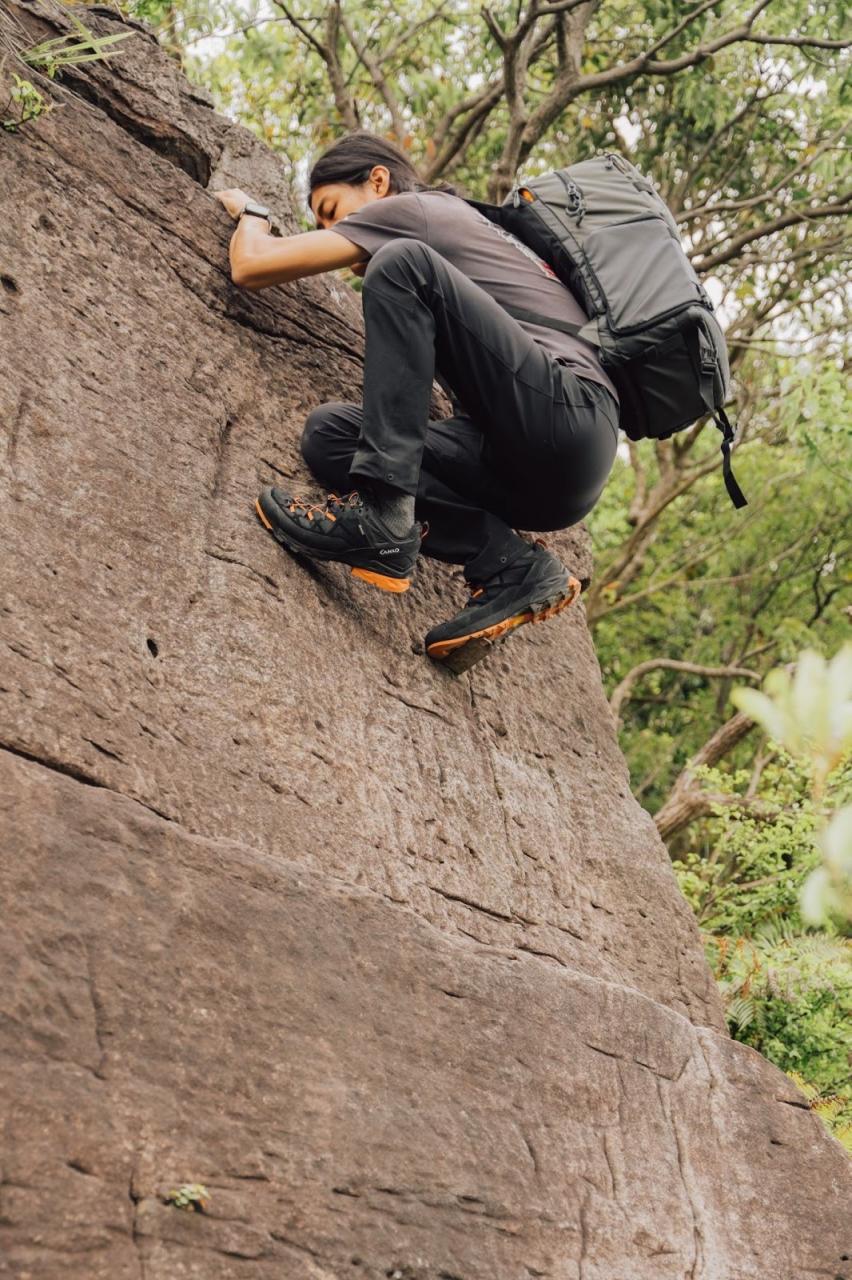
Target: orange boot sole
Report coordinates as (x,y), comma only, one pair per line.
(462,652)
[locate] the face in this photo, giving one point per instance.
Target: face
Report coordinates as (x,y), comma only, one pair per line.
(333,200)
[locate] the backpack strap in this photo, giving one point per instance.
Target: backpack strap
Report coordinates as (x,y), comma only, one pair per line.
(735,493)
(565,326)
(720,418)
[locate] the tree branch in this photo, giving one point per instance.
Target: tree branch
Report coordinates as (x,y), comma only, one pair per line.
(309,36)
(805,42)
(403,38)
(375,71)
(731,206)
(623,690)
(838,210)
(684,184)
(479,105)
(565,91)
(688,800)
(681,26)
(329,53)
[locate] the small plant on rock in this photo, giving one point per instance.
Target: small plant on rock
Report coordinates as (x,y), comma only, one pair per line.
(63,51)
(192,1196)
(29,102)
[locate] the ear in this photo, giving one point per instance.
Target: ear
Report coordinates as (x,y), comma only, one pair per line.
(380,179)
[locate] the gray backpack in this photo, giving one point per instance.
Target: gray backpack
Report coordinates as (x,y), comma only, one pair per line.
(612,240)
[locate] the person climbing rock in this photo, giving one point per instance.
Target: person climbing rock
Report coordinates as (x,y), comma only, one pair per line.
(534,428)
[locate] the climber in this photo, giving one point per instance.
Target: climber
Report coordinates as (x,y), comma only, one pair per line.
(534,428)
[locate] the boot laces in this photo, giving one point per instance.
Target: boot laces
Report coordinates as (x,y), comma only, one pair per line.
(482,592)
(480,589)
(334,503)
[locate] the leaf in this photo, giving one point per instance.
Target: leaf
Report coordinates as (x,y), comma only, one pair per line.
(762,709)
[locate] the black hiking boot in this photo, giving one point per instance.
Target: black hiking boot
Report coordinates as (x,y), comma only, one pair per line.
(344,529)
(531,589)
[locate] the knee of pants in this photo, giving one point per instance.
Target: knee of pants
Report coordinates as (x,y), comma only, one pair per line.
(393,252)
(317,434)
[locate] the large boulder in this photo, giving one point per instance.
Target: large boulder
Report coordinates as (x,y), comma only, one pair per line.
(389,960)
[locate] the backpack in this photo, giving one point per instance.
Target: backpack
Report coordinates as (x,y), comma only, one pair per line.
(612,240)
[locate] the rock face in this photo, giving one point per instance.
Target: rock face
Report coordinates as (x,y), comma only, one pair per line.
(390,961)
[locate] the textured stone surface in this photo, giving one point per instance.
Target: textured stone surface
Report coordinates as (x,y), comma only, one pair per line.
(391,961)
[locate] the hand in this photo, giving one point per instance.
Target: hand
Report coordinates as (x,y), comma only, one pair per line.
(233,199)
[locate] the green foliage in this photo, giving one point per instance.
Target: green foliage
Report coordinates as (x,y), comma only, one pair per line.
(755,866)
(157,12)
(789,995)
(192,1196)
(62,51)
(718,587)
(810,714)
(829,1107)
(31,104)
(786,988)
(49,56)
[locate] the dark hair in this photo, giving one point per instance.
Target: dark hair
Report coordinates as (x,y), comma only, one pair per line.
(351,158)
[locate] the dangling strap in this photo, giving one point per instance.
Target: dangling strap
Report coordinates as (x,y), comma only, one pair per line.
(735,493)
(708,366)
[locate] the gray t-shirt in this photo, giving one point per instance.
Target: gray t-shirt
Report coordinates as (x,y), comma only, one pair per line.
(488,255)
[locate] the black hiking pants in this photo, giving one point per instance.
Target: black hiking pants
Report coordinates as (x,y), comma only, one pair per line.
(530,446)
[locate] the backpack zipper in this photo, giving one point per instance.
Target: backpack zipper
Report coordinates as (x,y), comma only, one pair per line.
(575,204)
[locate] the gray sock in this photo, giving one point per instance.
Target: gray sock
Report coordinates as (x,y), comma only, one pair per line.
(394,508)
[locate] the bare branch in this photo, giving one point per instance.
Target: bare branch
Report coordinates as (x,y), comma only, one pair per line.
(802,41)
(329,53)
(688,800)
(235,31)
(465,133)
(479,106)
(623,690)
(812,213)
(379,80)
(309,36)
(730,206)
(500,37)
(472,103)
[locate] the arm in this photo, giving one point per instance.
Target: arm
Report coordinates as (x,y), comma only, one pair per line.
(259,259)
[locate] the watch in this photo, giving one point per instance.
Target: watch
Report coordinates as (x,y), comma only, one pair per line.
(251,206)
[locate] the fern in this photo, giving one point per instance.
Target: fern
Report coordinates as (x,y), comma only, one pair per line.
(833,1109)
